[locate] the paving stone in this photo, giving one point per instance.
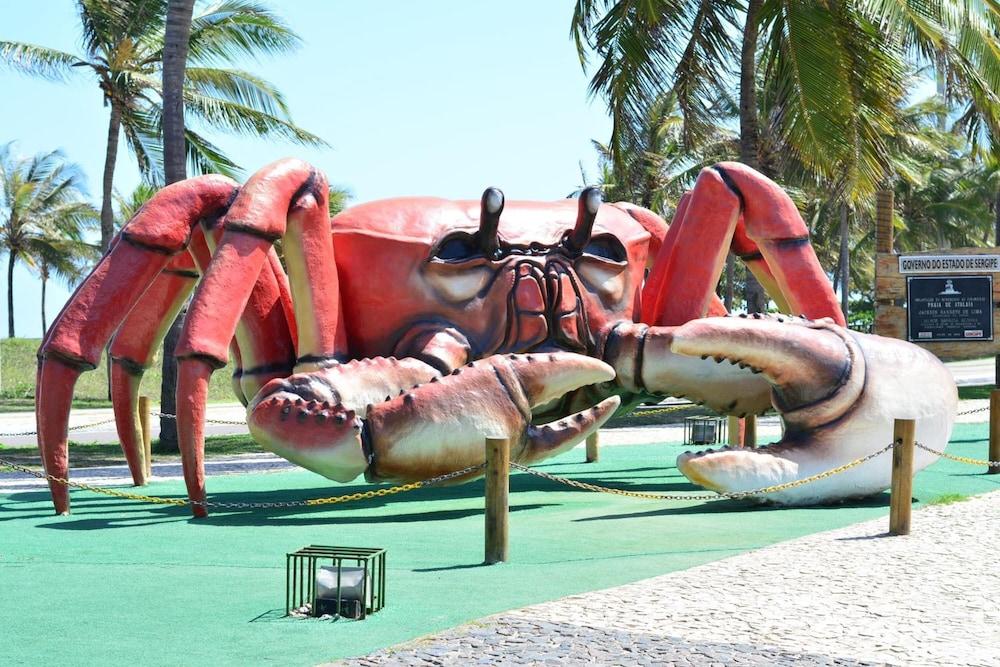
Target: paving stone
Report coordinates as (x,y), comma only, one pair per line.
(844,597)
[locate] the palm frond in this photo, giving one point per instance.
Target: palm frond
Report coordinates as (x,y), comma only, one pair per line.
(237,86)
(107,24)
(203,157)
(234,29)
(39,61)
(241,119)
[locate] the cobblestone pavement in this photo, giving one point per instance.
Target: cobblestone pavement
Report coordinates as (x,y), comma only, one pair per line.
(852,596)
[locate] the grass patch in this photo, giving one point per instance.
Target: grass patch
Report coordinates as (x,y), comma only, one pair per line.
(93,454)
(975,391)
(17,380)
(948,499)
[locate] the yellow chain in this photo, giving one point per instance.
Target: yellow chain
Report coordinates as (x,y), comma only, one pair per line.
(365,495)
(180,502)
(658,411)
(719,494)
(156,500)
(961,459)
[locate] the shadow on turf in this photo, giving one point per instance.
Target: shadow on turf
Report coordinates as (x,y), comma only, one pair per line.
(519,483)
(729,506)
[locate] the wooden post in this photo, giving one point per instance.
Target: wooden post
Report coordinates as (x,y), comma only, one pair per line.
(883,221)
(497,501)
(750,431)
(593,451)
(734,439)
(147,438)
(994,431)
(903,431)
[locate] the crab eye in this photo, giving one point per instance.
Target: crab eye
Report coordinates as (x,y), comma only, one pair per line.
(457,247)
(605,246)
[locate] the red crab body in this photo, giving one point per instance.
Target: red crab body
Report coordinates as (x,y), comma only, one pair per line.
(407,330)
(527,298)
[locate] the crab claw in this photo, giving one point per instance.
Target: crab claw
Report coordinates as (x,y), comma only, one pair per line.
(441,426)
(838,393)
(314,419)
(425,424)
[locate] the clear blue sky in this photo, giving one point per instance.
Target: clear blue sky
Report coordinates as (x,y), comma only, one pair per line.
(436,98)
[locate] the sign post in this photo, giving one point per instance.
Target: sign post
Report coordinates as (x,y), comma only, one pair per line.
(942,300)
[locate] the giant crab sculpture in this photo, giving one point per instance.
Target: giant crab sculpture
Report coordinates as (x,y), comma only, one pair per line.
(406,330)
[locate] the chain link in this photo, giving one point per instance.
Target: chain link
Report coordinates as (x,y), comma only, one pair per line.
(719,495)
(309,502)
(960,459)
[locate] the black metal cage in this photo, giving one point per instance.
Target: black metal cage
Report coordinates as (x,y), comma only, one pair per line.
(704,430)
(358,575)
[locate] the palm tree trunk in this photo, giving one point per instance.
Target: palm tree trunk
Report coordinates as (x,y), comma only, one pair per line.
(45,326)
(175,48)
(845,258)
(10,294)
(756,300)
(749,126)
(996,219)
(730,277)
(110,157)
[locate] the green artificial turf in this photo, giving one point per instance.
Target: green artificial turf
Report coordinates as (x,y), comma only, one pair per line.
(119,582)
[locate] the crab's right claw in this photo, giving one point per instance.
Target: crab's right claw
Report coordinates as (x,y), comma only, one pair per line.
(436,424)
(838,393)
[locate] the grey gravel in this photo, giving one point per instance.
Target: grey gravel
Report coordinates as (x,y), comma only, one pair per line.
(852,596)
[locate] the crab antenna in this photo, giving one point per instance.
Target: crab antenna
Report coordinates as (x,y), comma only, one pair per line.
(489,220)
(586,212)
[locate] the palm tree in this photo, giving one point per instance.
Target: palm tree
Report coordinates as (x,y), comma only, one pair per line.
(819,82)
(43,219)
(656,166)
(69,259)
(124,49)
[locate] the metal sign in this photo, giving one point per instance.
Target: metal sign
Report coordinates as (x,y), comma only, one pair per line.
(949,263)
(949,308)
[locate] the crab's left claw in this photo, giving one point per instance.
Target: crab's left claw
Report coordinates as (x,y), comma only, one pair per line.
(426,425)
(838,393)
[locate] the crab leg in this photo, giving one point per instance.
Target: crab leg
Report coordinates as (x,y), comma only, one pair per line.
(95,311)
(732,205)
(134,345)
(265,337)
(287,199)
(336,422)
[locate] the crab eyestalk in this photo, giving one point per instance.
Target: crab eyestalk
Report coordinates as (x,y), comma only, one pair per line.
(586,213)
(491,206)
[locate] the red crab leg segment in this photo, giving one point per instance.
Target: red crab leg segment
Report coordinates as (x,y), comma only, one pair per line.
(287,199)
(134,346)
(663,241)
(157,232)
(264,336)
(774,243)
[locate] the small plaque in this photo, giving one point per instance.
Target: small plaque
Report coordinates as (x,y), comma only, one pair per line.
(949,263)
(949,308)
